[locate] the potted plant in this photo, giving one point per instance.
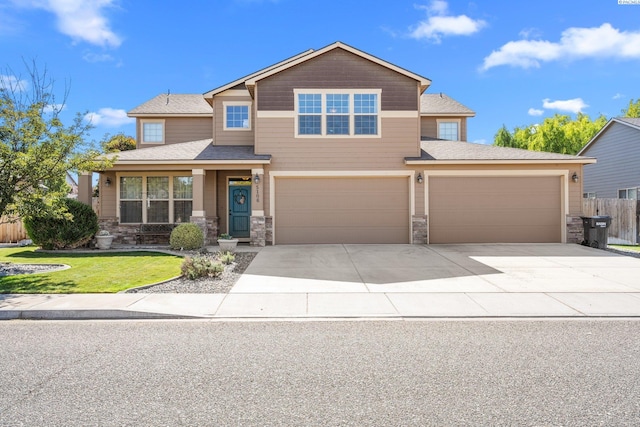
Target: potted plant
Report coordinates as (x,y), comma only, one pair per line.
(104,239)
(227,242)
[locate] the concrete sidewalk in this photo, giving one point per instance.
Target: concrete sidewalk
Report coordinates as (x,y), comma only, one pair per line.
(384,281)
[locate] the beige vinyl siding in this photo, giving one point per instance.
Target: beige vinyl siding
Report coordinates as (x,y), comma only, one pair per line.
(180,129)
(512,209)
(399,140)
(108,207)
(322,210)
(429,126)
(210,191)
(231,137)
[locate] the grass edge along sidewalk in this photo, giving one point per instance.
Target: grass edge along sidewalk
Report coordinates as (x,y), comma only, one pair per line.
(99,272)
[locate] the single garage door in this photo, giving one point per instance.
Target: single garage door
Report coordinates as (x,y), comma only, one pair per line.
(495,209)
(341,210)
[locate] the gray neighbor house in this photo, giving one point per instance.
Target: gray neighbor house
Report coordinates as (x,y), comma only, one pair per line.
(617,172)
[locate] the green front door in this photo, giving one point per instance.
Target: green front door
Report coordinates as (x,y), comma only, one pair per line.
(239,210)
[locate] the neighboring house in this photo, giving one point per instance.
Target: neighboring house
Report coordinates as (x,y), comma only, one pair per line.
(617,148)
(333,146)
(71,182)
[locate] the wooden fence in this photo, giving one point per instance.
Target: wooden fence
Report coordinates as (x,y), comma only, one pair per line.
(624,218)
(11,232)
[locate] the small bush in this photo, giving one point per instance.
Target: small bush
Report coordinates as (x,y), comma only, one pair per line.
(187,236)
(50,232)
(226,257)
(195,267)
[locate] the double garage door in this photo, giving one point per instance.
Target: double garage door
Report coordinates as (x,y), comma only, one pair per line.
(341,210)
(495,209)
(316,210)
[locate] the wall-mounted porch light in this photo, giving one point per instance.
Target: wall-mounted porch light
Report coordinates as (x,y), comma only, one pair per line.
(108,182)
(419,178)
(256,179)
(575,177)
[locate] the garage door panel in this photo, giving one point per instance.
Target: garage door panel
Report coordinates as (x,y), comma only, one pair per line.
(495,209)
(341,210)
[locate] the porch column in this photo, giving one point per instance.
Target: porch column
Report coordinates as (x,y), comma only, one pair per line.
(198,192)
(85,188)
(258,221)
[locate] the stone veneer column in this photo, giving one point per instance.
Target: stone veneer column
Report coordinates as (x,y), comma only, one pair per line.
(258,231)
(419,229)
(575,229)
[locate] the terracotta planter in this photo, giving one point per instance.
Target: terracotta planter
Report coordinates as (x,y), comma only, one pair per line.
(104,242)
(227,244)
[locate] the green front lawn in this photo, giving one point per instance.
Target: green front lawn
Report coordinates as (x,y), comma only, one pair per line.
(634,248)
(90,272)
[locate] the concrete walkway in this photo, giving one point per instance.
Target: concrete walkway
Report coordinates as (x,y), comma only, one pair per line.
(384,281)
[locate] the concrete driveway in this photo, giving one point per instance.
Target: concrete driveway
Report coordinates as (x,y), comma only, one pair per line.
(477,268)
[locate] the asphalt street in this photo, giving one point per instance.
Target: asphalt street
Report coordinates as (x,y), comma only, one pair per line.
(352,373)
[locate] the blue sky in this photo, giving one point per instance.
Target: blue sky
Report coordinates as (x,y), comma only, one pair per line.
(514,63)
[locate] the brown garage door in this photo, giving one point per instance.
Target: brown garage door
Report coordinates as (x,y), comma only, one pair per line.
(341,210)
(494,209)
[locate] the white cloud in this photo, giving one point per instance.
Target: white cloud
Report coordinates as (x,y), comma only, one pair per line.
(575,105)
(439,23)
(535,112)
(13,84)
(53,108)
(109,117)
(618,96)
(97,57)
(575,43)
(80,19)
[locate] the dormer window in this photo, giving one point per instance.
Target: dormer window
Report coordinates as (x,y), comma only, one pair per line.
(237,115)
(337,113)
(449,129)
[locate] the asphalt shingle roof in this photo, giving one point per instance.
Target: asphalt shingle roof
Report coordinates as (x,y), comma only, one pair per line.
(174,104)
(632,120)
(439,103)
(201,150)
(459,150)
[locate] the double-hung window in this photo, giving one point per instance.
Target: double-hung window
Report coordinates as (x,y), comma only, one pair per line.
(237,115)
(352,113)
(164,199)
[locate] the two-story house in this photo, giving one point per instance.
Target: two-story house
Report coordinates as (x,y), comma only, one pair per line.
(334,146)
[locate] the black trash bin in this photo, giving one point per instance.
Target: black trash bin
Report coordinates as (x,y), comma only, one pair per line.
(596,230)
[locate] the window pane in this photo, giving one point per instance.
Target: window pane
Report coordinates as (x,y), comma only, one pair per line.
(632,193)
(622,194)
(157,211)
(152,132)
(182,210)
(309,103)
(448,130)
(366,125)
(158,187)
(130,212)
(131,187)
(366,103)
(337,104)
(337,125)
(238,116)
(182,187)
(309,125)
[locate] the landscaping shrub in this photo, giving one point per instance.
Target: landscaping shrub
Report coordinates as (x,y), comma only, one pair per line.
(226,257)
(195,267)
(187,236)
(50,232)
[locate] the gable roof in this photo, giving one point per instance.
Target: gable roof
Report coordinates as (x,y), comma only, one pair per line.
(191,152)
(443,152)
(424,82)
(627,121)
(439,104)
(170,104)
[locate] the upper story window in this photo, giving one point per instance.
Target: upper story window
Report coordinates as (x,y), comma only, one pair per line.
(237,115)
(449,130)
(337,112)
(152,131)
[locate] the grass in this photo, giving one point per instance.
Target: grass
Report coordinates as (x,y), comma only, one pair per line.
(633,248)
(89,273)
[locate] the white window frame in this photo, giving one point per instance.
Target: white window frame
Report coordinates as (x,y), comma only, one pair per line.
(323,121)
(588,195)
(145,199)
(226,104)
(626,192)
(458,122)
(156,121)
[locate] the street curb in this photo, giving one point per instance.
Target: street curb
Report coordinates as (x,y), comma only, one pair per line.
(88,315)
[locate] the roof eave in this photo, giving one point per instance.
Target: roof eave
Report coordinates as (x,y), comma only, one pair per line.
(472,114)
(584,160)
(136,115)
